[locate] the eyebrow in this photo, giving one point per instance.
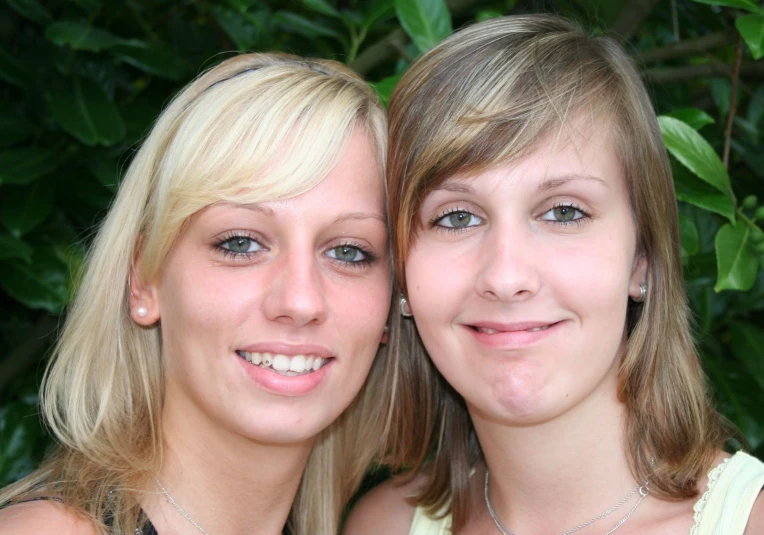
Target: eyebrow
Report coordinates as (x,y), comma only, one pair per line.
(553,183)
(257,208)
(456,187)
(360,215)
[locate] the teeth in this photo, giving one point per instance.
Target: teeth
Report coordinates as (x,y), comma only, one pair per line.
(297,364)
(535,329)
(487,331)
(283,364)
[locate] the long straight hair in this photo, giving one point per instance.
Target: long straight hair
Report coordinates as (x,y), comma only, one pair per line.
(487,96)
(254,128)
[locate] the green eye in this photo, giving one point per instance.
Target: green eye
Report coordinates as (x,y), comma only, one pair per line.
(459,220)
(240,245)
(347,253)
(564,213)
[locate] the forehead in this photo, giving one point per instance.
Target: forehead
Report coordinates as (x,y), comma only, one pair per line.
(572,152)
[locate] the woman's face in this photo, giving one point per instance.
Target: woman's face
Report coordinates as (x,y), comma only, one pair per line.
(520,276)
(271,314)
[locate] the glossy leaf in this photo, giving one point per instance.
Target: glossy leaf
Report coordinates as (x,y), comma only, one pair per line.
(747,343)
(736,264)
(13,247)
(297,24)
(23,165)
(241,31)
(105,169)
(751,27)
(84,110)
(379,10)
(31,9)
(152,59)
(40,284)
(695,153)
(425,21)
(694,117)
(80,36)
(323,7)
(693,191)
(750,5)
(24,207)
(689,235)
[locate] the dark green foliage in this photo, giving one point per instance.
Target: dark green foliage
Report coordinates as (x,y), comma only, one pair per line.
(81,81)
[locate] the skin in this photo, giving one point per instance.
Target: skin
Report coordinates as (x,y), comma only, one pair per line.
(317,274)
(545,241)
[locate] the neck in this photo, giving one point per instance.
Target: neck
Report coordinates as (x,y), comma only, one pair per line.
(229,484)
(552,476)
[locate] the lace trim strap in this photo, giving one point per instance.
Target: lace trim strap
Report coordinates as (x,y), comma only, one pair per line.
(713,476)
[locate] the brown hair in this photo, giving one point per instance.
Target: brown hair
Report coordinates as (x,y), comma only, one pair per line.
(486,96)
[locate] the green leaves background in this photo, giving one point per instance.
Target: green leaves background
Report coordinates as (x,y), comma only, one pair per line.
(83,80)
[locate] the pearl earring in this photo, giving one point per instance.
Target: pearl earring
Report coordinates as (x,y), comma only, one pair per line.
(141,312)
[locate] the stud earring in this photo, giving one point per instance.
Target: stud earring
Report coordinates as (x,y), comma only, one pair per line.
(406,311)
(141,312)
(642,294)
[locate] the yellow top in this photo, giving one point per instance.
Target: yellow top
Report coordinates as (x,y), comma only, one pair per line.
(723,509)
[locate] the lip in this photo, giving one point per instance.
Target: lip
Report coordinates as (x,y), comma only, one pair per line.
(284,385)
(512,335)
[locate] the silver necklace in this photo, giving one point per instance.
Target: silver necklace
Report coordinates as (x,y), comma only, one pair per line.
(643,492)
(179,508)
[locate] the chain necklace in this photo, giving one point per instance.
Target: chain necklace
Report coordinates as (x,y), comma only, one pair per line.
(643,492)
(180,509)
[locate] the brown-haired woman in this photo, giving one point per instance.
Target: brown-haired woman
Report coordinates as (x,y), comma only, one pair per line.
(537,247)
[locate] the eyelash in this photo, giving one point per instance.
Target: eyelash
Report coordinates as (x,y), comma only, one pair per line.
(233,254)
(435,220)
(579,221)
(585,216)
(369,257)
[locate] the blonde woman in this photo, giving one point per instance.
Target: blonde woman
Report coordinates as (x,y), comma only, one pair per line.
(235,299)
(537,243)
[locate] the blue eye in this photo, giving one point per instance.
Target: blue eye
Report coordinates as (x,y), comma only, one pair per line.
(458,219)
(564,213)
(239,245)
(349,254)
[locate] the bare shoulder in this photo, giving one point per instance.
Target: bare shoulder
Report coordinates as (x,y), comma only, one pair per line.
(384,510)
(44,517)
(756,519)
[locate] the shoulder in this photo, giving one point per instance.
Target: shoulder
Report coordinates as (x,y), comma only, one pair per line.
(384,510)
(43,517)
(756,520)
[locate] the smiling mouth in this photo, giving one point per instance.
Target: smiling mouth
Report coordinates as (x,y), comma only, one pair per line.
(486,330)
(290,366)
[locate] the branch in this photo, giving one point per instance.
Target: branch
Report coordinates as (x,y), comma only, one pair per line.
(28,353)
(753,70)
(631,17)
(687,48)
(390,45)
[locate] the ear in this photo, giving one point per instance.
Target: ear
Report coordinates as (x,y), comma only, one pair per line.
(638,275)
(144,305)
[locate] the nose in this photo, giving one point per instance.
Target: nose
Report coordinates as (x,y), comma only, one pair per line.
(296,293)
(508,271)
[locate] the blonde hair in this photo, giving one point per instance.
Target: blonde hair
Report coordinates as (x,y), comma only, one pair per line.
(489,95)
(254,128)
